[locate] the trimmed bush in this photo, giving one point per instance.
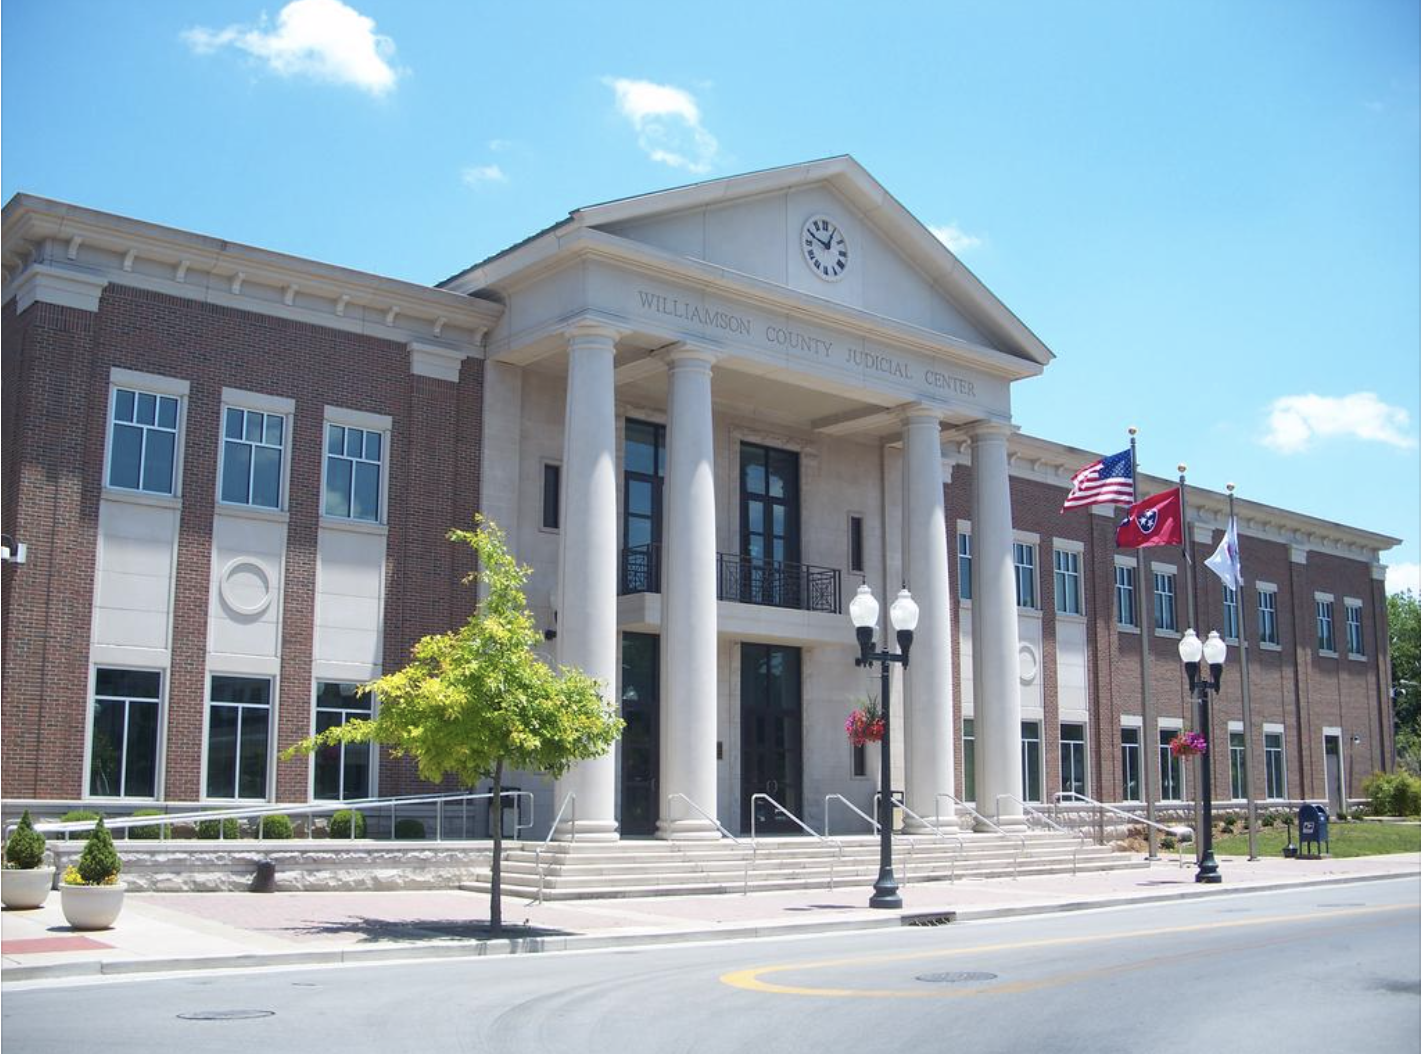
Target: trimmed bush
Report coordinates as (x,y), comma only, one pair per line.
(147,831)
(99,863)
(75,816)
(1393,794)
(24,849)
(231,828)
(410,829)
(277,825)
(341,824)
(1167,842)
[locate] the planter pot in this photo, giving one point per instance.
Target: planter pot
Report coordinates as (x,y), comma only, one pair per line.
(91,907)
(21,890)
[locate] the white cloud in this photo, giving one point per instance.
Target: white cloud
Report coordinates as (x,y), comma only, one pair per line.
(1296,421)
(477,175)
(953,236)
(498,146)
(668,123)
(1404,577)
(323,39)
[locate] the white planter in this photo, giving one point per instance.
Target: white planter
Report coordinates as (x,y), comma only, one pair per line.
(91,907)
(24,889)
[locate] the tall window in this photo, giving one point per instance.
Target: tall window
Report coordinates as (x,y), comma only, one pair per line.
(644,464)
(1073,758)
(342,770)
(1354,614)
(252,444)
(1231,613)
(353,460)
(965,566)
(1172,769)
(970,767)
(1024,568)
(1165,600)
(123,751)
(1067,578)
(552,494)
(1324,609)
(1130,763)
(770,526)
(143,441)
(1274,765)
(856,543)
(1268,617)
(1126,596)
(238,725)
(1031,761)
(1236,765)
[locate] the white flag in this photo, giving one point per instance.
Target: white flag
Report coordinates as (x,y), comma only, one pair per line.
(1225,562)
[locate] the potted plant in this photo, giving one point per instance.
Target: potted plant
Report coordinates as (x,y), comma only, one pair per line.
(92,894)
(1187,745)
(24,882)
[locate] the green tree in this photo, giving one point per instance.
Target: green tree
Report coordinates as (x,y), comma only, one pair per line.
(477,701)
(1404,637)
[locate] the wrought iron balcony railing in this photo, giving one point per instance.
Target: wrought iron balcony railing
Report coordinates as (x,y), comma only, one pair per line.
(744,579)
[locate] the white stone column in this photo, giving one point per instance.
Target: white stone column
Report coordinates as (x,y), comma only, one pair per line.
(997,703)
(587,579)
(688,711)
(928,710)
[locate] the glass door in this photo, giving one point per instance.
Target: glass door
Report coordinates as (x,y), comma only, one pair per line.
(641,740)
(770,526)
(643,466)
(771,761)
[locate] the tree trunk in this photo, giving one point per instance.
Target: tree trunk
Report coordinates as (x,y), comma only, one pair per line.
(496,915)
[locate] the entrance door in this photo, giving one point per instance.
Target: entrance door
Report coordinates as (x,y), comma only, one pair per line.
(1333,769)
(770,736)
(641,705)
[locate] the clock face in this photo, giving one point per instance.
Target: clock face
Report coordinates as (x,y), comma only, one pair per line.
(824,247)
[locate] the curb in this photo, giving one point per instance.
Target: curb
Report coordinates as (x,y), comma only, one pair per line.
(478,949)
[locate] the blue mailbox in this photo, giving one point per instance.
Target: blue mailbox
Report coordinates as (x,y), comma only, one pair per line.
(1313,827)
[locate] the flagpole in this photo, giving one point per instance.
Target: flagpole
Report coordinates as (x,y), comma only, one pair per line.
(1244,686)
(1206,758)
(1151,747)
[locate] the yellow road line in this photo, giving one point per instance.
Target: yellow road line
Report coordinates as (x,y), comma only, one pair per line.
(750,980)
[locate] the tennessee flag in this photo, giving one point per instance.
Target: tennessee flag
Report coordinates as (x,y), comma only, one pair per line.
(1152,521)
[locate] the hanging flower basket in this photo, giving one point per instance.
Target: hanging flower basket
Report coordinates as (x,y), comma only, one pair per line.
(865,724)
(1187,745)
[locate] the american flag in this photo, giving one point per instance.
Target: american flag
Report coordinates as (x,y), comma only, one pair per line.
(1108,481)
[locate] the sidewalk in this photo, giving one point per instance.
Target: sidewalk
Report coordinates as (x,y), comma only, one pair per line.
(186,931)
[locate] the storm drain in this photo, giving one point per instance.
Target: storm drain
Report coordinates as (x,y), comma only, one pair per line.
(226,1015)
(941,918)
(956,977)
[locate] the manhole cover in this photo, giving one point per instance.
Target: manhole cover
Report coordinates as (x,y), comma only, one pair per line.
(225,1015)
(956,977)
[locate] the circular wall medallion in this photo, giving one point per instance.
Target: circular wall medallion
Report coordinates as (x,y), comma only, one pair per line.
(1026,664)
(245,586)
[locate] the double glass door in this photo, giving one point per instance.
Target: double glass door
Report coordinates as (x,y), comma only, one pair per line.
(771,756)
(770,526)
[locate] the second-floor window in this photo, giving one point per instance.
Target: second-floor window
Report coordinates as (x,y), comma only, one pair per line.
(1024,568)
(1126,596)
(1231,613)
(1325,625)
(1067,579)
(1165,600)
(252,445)
(143,441)
(1354,613)
(1268,617)
(353,463)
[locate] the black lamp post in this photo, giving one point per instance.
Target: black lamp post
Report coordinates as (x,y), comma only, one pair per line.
(1213,652)
(903,613)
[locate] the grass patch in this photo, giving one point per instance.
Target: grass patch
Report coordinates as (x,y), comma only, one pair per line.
(1345,839)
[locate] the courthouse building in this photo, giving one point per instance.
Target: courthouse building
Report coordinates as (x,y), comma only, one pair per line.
(702,417)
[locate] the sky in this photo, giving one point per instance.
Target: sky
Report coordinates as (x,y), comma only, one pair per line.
(1208,211)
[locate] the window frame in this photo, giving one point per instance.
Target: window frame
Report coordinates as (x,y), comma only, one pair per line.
(269,777)
(372,760)
(1070,578)
(365,422)
(160,387)
(1267,612)
(1062,742)
(1164,603)
(1130,589)
(547,466)
(1274,756)
(856,543)
(1025,573)
(1229,603)
(965,556)
(1238,770)
(1168,763)
(1324,625)
(970,759)
(1352,608)
(271,406)
(1127,767)
(160,737)
(1028,769)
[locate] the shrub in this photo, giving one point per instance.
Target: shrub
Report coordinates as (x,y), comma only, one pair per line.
(276,826)
(151,831)
(1392,794)
(1167,842)
(99,863)
(341,824)
(1267,820)
(24,849)
(231,828)
(410,829)
(75,816)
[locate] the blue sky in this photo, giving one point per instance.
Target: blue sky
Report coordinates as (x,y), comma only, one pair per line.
(1209,211)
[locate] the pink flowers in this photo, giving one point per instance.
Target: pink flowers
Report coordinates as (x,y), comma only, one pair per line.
(1187,745)
(865,724)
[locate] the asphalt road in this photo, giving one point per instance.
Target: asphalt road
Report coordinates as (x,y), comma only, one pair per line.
(1325,969)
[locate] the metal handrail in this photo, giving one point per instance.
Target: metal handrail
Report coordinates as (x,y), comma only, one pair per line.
(1028,810)
(538,849)
(163,821)
(939,833)
(746,866)
(1175,831)
(839,846)
(1022,839)
(852,808)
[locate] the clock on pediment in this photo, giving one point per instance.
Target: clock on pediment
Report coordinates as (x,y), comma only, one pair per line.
(824,247)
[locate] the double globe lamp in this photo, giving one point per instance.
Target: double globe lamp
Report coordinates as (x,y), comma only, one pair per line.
(1212,650)
(903,615)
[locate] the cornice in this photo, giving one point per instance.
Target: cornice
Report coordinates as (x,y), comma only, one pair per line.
(85,244)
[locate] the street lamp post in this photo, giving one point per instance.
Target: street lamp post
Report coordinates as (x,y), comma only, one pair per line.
(903,613)
(1213,652)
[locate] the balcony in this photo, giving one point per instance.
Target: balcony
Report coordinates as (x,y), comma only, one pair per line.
(743,580)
